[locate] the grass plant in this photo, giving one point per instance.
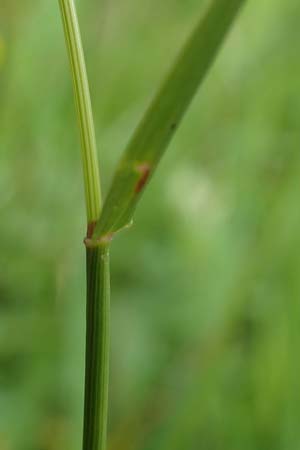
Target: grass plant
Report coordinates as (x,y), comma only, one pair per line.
(133,172)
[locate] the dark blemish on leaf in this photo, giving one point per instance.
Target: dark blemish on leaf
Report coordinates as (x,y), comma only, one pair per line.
(173,126)
(144,170)
(90,229)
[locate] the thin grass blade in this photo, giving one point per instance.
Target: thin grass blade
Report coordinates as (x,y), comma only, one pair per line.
(163,117)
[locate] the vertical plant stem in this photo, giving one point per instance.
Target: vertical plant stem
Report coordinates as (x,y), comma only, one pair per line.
(97,348)
(97,256)
(84,110)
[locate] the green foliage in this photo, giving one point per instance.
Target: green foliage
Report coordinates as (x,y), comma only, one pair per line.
(164,116)
(137,164)
(209,358)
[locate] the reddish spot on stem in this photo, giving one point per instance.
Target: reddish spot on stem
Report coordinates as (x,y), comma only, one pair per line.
(90,229)
(144,171)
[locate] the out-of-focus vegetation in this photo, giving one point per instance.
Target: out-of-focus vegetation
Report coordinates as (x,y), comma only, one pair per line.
(206,285)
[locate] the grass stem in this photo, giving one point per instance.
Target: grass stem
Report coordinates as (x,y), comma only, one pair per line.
(97,348)
(84,110)
(97,257)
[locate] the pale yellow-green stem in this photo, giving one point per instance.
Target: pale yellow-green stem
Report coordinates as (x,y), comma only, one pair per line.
(84,109)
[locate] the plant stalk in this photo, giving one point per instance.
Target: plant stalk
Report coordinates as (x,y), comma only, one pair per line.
(97,348)
(84,111)
(97,256)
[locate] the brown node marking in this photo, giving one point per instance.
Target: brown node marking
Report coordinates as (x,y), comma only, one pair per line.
(144,171)
(90,229)
(103,240)
(89,242)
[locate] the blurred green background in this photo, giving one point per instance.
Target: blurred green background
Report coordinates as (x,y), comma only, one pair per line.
(206,285)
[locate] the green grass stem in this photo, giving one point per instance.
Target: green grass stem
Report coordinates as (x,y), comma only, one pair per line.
(97,258)
(84,110)
(97,349)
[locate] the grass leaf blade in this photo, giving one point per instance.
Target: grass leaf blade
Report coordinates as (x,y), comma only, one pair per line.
(163,117)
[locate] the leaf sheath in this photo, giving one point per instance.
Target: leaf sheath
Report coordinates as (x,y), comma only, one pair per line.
(97,349)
